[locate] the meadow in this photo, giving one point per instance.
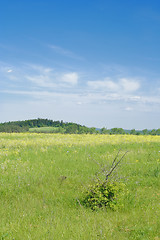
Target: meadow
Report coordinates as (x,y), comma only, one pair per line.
(43,178)
(43,130)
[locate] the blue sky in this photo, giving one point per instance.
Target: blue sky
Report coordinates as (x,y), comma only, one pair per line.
(94,62)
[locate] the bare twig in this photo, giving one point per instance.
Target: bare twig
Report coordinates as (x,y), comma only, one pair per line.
(114,165)
(114,160)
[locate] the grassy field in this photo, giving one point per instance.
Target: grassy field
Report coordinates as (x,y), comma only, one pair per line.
(43,130)
(43,177)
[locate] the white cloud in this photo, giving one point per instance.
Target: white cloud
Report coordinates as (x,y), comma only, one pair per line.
(50,78)
(40,76)
(135,98)
(54,80)
(129,85)
(41,81)
(104,85)
(10,70)
(70,78)
(121,85)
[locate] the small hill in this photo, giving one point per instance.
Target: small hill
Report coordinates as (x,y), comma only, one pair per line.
(45,126)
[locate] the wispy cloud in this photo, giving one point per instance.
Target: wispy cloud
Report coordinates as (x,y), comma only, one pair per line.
(8,73)
(105,85)
(65,52)
(87,98)
(41,81)
(54,80)
(5,68)
(123,84)
(10,70)
(39,76)
(45,83)
(32,76)
(39,68)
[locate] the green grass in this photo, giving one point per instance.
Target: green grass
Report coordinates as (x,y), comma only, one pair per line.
(44,130)
(43,177)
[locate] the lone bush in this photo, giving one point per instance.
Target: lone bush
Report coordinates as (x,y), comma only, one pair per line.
(105,195)
(106,192)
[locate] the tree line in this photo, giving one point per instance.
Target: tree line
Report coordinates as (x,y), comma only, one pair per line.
(60,126)
(68,127)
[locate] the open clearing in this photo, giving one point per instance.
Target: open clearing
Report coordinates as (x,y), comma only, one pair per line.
(43,176)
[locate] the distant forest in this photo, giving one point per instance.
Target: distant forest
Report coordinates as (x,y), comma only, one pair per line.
(50,126)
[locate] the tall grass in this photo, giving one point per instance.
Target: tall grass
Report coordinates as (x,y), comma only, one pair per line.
(43,177)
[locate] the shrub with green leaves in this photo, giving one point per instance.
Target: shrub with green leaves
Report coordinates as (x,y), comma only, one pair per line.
(102,195)
(106,191)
